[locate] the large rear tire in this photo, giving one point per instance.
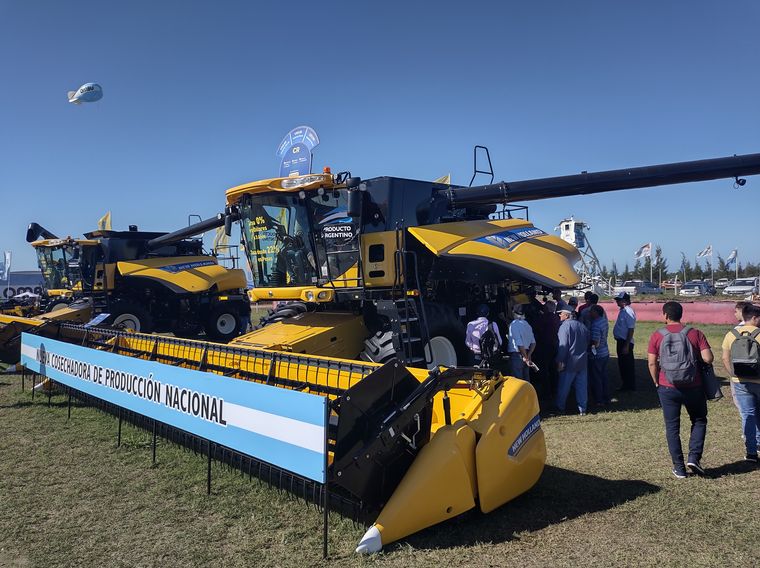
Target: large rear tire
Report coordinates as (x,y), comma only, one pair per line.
(131,316)
(224,322)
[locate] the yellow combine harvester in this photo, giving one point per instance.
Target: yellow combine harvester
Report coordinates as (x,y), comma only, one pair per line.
(147,281)
(380,275)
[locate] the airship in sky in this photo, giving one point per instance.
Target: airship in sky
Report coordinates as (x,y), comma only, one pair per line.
(87,93)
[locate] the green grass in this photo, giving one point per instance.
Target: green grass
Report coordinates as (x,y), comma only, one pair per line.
(69,497)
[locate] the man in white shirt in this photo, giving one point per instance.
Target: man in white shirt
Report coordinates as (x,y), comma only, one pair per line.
(623,334)
(475,330)
(521,344)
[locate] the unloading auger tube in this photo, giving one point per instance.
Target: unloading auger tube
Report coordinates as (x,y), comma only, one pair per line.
(221,219)
(611,180)
(408,447)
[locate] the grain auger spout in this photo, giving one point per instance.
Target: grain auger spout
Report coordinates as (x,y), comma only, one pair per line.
(611,180)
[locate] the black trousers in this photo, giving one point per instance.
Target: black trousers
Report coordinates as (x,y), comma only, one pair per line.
(695,402)
(625,364)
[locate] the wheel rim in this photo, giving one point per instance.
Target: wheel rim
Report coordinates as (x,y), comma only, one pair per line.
(128,320)
(226,324)
(443,352)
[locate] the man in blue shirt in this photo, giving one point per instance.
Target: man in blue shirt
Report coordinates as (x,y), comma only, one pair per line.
(600,354)
(572,361)
(623,334)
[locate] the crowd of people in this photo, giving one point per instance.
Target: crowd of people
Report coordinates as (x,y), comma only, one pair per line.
(560,346)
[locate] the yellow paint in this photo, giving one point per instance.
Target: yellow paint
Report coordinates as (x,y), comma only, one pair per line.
(305,293)
(276,184)
(439,485)
(386,266)
(546,259)
(333,334)
(194,280)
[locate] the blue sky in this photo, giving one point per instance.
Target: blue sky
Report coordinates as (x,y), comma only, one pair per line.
(197,96)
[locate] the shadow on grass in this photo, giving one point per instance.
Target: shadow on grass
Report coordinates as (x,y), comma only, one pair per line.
(560,495)
(737,467)
(41,400)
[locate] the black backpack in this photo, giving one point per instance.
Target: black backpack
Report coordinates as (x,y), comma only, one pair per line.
(677,359)
(745,354)
(488,344)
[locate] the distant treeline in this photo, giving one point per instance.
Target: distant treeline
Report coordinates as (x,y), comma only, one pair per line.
(661,269)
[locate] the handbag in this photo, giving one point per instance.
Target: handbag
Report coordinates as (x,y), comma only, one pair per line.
(710,383)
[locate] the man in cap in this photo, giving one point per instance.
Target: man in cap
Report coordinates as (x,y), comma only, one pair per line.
(623,334)
(572,360)
(521,344)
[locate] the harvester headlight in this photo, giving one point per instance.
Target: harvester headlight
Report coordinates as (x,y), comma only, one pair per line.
(294,182)
(310,296)
(322,295)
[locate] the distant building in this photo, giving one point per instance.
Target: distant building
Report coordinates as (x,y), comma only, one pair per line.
(22,281)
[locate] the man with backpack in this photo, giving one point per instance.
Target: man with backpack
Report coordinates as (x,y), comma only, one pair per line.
(483,337)
(676,354)
(741,357)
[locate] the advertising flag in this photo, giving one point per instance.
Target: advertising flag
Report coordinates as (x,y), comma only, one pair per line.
(221,240)
(732,257)
(5,269)
(707,251)
(644,250)
(104,223)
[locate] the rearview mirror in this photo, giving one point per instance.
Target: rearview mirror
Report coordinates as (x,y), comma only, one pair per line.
(355,203)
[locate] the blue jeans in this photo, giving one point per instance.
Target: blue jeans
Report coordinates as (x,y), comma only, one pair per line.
(598,378)
(671,400)
(518,367)
(566,380)
(747,396)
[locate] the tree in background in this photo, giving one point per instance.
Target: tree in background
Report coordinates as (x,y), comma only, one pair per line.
(660,268)
(637,271)
(614,272)
(626,273)
(722,270)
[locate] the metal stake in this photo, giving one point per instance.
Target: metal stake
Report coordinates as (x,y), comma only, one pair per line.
(326,506)
(154,442)
(208,471)
(69,417)
(23,378)
(118,436)
(34,383)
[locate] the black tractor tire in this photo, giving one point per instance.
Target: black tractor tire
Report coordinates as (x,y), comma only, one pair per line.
(443,324)
(131,316)
(283,311)
(379,348)
(224,322)
(57,305)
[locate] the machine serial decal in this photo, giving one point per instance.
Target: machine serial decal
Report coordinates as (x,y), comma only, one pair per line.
(526,434)
(174,268)
(510,239)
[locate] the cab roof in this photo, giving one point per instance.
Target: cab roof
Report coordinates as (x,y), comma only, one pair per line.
(284,185)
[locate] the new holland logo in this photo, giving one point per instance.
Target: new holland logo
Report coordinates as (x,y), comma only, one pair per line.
(174,268)
(527,433)
(510,239)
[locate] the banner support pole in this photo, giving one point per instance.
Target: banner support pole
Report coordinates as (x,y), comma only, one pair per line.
(118,435)
(154,441)
(208,470)
(326,506)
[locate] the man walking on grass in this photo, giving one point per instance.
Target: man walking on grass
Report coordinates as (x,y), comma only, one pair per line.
(744,366)
(572,361)
(675,356)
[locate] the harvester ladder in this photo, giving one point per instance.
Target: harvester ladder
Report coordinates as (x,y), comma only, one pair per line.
(410,330)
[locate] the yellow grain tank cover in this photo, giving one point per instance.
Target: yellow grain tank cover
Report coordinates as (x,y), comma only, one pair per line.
(329,334)
(513,244)
(185,273)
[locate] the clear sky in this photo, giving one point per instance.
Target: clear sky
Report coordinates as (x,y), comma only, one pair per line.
(197,96)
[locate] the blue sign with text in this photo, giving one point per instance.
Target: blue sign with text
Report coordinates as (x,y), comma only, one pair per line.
(295,151)
(283,427)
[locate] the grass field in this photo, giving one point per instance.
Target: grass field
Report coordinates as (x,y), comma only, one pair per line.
(69,497)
